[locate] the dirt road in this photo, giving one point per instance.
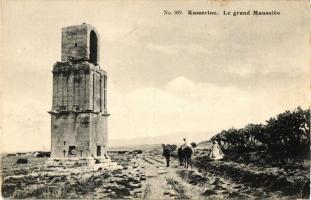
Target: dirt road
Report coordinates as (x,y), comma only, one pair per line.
(175,182)
(164,182)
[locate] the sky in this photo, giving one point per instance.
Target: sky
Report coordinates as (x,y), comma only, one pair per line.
(166,74)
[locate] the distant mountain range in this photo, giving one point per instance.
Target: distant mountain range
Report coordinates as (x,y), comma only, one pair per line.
(175,138)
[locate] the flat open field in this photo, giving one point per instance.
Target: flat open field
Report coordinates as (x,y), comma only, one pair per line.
(145,176)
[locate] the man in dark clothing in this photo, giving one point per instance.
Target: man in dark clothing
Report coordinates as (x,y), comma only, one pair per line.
(166,154)
(180,155)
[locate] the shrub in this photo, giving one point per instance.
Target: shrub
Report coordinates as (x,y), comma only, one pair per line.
(193,144)
(22,161)
(288,132)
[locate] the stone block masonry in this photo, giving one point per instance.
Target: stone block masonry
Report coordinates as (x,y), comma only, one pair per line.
(79,109)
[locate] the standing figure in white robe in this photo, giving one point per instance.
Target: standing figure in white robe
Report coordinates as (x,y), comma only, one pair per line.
(216,152)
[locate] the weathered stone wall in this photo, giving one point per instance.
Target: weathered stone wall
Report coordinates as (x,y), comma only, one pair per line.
(99,134)
(76,42)
(79,117)
(79,87)
(70,129)
(85,131)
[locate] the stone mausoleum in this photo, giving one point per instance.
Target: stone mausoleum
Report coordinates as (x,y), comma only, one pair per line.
(79,111)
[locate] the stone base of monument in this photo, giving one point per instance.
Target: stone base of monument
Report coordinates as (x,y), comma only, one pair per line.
(88,163)
(103,163)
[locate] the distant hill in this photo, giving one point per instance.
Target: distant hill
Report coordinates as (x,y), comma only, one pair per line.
(175,138)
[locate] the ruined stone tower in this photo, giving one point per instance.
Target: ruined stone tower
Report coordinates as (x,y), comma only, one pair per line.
(79,111)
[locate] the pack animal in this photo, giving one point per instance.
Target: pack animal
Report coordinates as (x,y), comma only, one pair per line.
(184,155)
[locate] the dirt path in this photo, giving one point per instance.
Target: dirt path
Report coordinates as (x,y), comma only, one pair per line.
(176,182)
(151,179)
(165,183)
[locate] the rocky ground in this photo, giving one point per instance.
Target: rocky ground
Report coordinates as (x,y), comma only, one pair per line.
(145,176)
(292,182)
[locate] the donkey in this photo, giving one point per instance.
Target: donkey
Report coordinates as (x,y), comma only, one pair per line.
(184,156)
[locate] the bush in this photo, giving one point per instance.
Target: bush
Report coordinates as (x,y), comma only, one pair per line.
(287,132)
(193,144)
(22,161)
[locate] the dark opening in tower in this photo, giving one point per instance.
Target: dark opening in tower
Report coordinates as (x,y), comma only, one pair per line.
(93,47)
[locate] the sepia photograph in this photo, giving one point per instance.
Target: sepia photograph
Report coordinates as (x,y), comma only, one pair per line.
(138,99)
